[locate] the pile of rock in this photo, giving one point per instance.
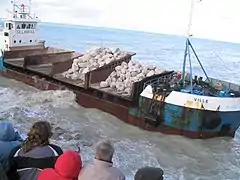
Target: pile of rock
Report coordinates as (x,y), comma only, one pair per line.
(124,76)
(92,60)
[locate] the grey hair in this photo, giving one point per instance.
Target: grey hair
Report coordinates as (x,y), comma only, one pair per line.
(104,150)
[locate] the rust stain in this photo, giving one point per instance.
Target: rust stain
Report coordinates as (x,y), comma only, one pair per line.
(193,104)
(157,97)
(189,103)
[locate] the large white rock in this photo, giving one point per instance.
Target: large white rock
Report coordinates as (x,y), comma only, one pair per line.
(113,74)
(159,71)
(122,79)
(113,80)
(128,91)
(75,76)
(93,59)
(104,84)
(151,73)
(113,85)
(118,68)
(85,70)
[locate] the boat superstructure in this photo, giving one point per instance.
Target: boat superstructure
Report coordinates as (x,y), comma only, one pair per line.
(20,28)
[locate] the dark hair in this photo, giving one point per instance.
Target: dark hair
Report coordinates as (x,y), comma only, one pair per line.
(38,135)
(149,173)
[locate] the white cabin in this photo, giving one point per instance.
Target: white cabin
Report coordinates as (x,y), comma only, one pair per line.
(20,29)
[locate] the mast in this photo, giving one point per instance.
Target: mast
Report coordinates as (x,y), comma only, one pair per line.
(187,53)
(187,48)
(30,5)
(14,9)
(190,18)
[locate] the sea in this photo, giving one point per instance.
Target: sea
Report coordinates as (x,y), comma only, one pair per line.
(180,158)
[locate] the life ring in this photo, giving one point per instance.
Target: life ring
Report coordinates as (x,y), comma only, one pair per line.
(211,120)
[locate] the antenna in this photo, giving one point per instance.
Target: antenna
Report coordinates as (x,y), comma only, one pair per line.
(190,17)
(30,4)
(13,3)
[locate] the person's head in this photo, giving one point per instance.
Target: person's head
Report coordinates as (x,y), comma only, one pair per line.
(38,135)
(7,132)
(67,167)
(149,173)
(104,151)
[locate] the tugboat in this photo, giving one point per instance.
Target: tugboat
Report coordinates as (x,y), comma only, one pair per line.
(193,104)
(169,102)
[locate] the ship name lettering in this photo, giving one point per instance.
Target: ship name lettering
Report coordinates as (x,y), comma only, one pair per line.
(200,100)
(25,31)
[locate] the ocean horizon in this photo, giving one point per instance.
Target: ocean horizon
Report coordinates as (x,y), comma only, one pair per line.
(124,30)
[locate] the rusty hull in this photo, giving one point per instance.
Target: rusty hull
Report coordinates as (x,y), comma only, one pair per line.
(89,99)
(41,67)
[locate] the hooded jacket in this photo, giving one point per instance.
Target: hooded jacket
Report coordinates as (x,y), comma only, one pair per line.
(3,175)
(67,167)
(28,166)
(9,140)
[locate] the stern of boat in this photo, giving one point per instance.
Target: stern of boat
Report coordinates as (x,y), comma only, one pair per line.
(190,114)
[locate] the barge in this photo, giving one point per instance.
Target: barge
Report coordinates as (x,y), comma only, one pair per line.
(168,102)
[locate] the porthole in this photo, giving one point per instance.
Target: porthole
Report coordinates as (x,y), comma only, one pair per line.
(14,41)
(20,41)
(30,41)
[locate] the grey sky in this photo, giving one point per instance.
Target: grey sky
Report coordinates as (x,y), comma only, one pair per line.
(213,19)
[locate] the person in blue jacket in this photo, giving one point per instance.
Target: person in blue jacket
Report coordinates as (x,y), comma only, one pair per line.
(9,140)
(3,175)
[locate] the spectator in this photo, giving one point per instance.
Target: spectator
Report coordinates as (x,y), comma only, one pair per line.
(149,173)
(9,140)
(3,175)
(67,167)
(35,154)
(103,166)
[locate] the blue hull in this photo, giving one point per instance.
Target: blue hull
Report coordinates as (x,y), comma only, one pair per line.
(195,120)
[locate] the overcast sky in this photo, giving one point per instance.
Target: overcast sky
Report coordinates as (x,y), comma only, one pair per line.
(213,19)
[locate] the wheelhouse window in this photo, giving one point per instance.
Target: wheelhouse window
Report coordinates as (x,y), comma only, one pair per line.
(9,26)
(23,26)
(29,26)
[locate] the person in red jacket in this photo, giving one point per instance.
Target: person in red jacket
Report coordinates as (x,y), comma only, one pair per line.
(67,167)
